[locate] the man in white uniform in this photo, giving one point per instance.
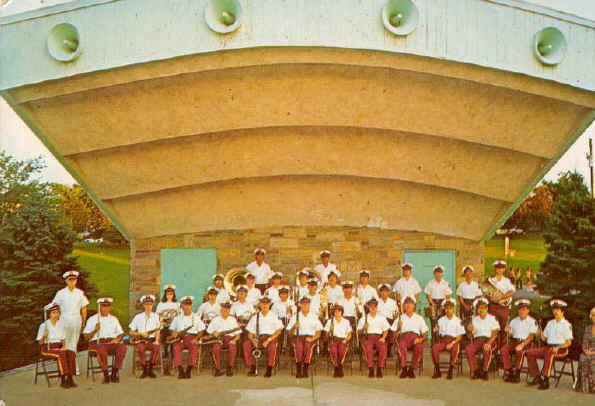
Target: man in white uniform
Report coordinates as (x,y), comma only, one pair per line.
(365,292)
(326,267)
(226,329)
(373,329)
(333,289)
(222,293)
(146,326)
(411,331)
(521,332)
(338,330)
(388,308)
(254,294)
(305,327)
(302,284)
(467,292)
(449,330)
(208,310)
(273,291)
(406,285)
(241,309)
(314,296)
(437,291)
(500,307)
(260,269)
(484,328)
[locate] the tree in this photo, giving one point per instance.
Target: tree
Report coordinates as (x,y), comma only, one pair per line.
(534,212)
(36,245)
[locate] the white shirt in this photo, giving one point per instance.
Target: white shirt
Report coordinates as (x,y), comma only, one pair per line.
(267,325)
(340,328)
(350,305)
(56,332)
(253,296)
(162,306)
(182,322)
(109,327)
(365,293)
(388,308)
(376,325)
(484,327)
(262,273)
(521,329)
(469,290)
(142,324)
(222,295)
(242,310)
(503,284)
(334,294)
(314,303)
(450,327)
(280,308)
(219,325)
(438,290)
(302,290)
(557,332)
(208,311)
(324,271)
(414,324)
(407,287)
(71,302)
(309,324)
(273,293)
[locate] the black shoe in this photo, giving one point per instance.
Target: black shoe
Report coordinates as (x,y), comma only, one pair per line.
(410,373)
(298,370)
(336,373)
(181,374)
(106,378)
(269,372)
(151,373)
(305,371)
(516,377)
(508,374)
(219,372)
(545,384)
(70,382)
(63,382)
(229,371)
(188,373)
(115,377)
(437,373)
(371,372)
(534,381)
(145,373)
(484,375)
(475,374)
(404,373)
(378,372)
(252,371)
(341,375)
(450,369)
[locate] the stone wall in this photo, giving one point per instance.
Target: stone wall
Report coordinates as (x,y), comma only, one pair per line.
(289,249)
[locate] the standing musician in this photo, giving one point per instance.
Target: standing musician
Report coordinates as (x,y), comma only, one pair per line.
(352,309)
(374,330)
(406,285)
(333,288)
(450,331)
(227,330)
(467,292)
(411,330)
(104,333)
(484,328)
(51,337)
(305,327)
(325,268)
(222,293)
(260,269)
(388,308)
(188,329)
(167,309)
(302,284)
(273,291)
(241,309)
(521,332)
(73,306)
(365,292)
(263,330)
(146,325)
(338,330)
(253,292)
(284,309)
(558,338)
(314,296)
(210,309)
(437,290)
(499,307)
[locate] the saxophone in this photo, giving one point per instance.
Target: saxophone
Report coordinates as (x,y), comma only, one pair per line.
(213,339)
(137,339)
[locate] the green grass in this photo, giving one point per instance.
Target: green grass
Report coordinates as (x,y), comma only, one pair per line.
(109,270)
(530,251)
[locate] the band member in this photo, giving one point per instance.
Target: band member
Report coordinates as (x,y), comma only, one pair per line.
(241,309)
(168,304)
(146,325)
(315,299)
(406,285)
(365,292)
(521,331)
(306,332)
(222,294)
(226,328)
(73,307)
(188,327)
(104,333)
(388,308)
(254,294)
(499,308)
(302,284)
(437,290)
(208,310)
(334,289)
(326,267)
(484,328)
(284,309)
(352,308)
(449,330)
(412,331)
(374,330)
(338,330)
(51,337)
(260,269)
(263,330)
(558,337)
(273,291)
(467,292)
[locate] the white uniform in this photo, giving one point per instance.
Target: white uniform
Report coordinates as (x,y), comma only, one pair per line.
(280,308)
(219,324)
(262,273)
(469,290)
(324,271)
(56,333)
(438,290)
(351,306)
(222,295)
(141,323)
(109,327)
(302,291)
(414,324)
(182,322)
(241,310)
(207,311)
(521,329)
(484,327)
(253,296)
(309,324)
(365,293)
(452,327)
(71,303)
(407,287)
(314,303)
(388,308)
(376,325)
(273,293)
(334,294)
(163,306)
(340,328)
(557,332)
(267,325)
(503,284)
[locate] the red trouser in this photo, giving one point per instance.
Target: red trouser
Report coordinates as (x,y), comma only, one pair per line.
(372,343)
(303,349)
(140,349)
(271,351)
(65,358)
(338,350)
(507,349)
(547,355)
(405,343)
(231,346)
(104,349)
(440,346)
(501,313)
(475,346)
(185,343)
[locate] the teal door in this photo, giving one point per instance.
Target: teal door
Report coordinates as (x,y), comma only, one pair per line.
(424,262)
(190,270)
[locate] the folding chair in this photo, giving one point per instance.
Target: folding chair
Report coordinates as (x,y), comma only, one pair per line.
(44,362)
(558,372)
(136,361)
(94,369)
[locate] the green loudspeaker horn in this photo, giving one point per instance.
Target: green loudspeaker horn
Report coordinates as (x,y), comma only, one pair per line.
(549,46)
(400,16)
(64,43)
(223,16)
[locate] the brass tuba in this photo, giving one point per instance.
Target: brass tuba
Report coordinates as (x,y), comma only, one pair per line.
(233,278)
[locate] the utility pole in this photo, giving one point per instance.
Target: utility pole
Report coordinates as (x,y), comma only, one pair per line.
(590,158)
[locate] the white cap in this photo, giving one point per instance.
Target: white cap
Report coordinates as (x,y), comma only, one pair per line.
(105,300)
(144,298)
(383,285)
(242,287)
(325,252)
(347,283)
(305,271)
(412,298)
(277,275)
(66,274)
(334,272)
(468,267)
(249,275)
(480,300)
(51,306)
(259,250)
(166,287)
(451,301)
(218,275)
(500,263)
(522,302)
(438,267)
(187,298)
(407,265)
(558,303)
(364,272)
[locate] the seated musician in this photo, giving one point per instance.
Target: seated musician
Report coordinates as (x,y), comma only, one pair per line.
(226,329)
(352,308)
(339,332)
(273,291)
(263,330)
(187,329)
(314,296)
(146,326)
(209,309)
(302,283)
(222,293)
(411,331)
(305,327)
(558,337)
(242,309)
(51,337)
(389,308)
(169,306)
(521,331)
(334,289)
(449,331)
(374,330)
(484,327)
(467,292)
(104,333)
(284,309)
(254,294)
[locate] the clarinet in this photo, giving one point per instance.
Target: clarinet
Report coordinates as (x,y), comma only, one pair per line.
(257,342)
